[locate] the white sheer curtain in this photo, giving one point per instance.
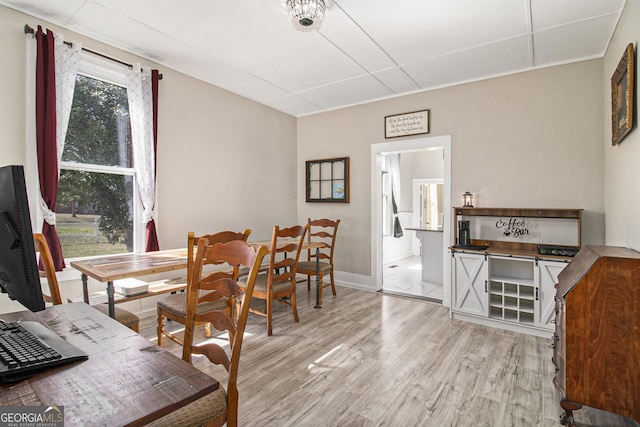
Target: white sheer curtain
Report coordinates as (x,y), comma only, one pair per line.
(67,59)
(394,171)
(141,115)
(67,62)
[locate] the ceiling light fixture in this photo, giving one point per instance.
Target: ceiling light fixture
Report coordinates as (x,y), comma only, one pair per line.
(306,15)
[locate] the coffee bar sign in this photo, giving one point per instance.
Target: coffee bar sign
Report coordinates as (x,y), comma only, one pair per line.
(513,227)
(414,123)
(549,231)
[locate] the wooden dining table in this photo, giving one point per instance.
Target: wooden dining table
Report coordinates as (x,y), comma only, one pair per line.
(109,268)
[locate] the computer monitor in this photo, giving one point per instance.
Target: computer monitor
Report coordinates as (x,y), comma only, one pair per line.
(19,276)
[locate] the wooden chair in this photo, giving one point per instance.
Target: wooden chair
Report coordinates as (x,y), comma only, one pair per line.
(174,307)
(324,231)
(220,406)
(123,316)
(280,279)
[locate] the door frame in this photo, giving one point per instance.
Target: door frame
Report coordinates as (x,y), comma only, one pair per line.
(414,144)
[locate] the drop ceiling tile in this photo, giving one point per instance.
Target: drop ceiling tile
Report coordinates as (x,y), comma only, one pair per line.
(429,28)
(396,80)
(304,66)
(347,92)
(355,43)
(548,14)
(294,105)
(98,22)
(472,64)
(226,76)
(579,41)
(57,12)
(218,22)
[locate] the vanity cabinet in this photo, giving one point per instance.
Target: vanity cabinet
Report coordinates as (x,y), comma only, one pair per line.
(511,284)
(596,347)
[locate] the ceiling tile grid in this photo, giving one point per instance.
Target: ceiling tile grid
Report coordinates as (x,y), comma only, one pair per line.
(365,50)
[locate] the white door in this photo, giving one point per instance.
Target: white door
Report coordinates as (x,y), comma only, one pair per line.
(548,277)
(470,276)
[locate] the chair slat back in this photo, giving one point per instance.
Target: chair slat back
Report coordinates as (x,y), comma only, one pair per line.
(283,259)
(324,231)
(236,253)
(220,237)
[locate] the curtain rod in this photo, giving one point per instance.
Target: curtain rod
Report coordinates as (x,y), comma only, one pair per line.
(29,30)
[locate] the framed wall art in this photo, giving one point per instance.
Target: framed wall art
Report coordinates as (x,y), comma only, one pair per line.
(414,123)
(622,96)
(327,180)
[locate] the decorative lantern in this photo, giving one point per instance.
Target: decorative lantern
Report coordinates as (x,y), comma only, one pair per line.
(467,199)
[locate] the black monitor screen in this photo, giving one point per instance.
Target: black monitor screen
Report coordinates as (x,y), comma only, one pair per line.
(19,275)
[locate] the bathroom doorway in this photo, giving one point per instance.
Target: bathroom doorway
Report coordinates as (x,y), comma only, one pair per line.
(403,273)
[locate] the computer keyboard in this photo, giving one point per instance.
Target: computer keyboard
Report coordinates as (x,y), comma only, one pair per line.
(28,347)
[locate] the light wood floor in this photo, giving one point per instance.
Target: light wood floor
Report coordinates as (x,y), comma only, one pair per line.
(369,359)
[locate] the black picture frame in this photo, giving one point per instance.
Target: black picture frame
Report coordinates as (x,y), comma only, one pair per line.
(407,124)
(327,180)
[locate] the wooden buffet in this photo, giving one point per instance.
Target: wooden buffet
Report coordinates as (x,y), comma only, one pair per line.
(597,340)
(510,284)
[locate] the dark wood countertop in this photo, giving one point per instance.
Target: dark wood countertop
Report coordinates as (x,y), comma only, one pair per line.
(513,253)
(434,229)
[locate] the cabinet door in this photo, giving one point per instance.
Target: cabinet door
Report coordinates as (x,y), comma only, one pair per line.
(470,284)
(548,277)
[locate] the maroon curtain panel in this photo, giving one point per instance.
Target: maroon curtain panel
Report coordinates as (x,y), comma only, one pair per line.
(152,235)
(47,150)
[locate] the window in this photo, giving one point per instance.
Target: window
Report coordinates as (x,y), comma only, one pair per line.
(95,210)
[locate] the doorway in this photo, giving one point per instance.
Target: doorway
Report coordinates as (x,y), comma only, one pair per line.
(407,146)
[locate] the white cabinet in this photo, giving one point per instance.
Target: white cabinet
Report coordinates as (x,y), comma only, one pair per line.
(511,284)
(515,293)
(548,277)
(512,289)
(470,284)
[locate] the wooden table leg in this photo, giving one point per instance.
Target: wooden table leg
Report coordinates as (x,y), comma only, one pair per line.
(111,299)
(85,288)
(318,302)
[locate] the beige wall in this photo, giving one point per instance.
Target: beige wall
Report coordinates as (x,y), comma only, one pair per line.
(622,171)
(12,87)
(225,162)
(527,140)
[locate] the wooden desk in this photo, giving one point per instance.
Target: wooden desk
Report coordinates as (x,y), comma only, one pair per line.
(113,267)
(127,380)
